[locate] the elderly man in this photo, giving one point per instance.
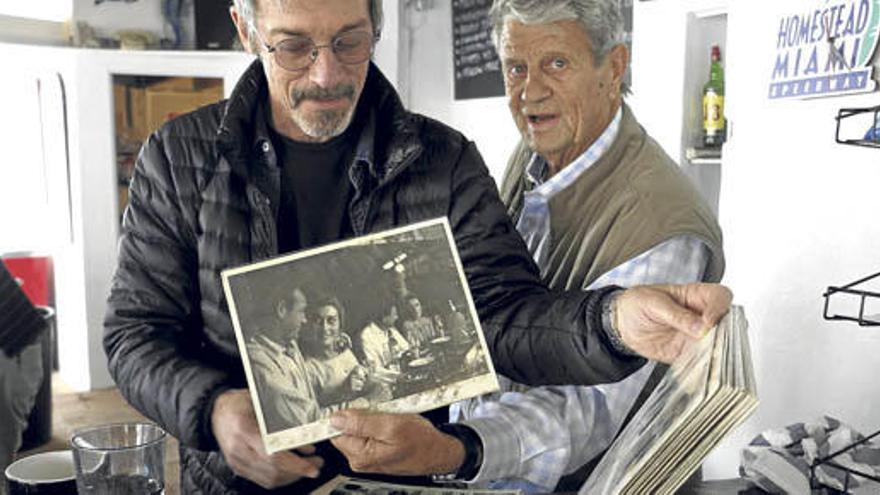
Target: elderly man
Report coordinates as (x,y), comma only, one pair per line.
(314,146)
(598,203)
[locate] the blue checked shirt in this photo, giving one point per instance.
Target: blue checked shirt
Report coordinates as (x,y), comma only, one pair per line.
(533,436)
(534,220)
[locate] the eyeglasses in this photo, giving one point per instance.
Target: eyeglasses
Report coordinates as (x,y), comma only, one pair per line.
(300,52)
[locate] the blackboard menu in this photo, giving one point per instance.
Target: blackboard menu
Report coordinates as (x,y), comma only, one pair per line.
(477,68)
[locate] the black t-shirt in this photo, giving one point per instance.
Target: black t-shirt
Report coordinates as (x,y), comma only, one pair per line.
(315,191)
(313,210)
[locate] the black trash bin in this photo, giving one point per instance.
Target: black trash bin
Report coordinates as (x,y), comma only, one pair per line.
(39,427)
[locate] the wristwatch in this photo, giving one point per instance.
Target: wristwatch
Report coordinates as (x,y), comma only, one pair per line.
(609,323)
(473,453)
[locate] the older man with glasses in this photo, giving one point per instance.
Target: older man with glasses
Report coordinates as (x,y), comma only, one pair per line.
(314,146)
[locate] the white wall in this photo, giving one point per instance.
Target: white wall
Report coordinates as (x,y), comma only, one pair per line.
(426,48)
(386,52)
(797,209)
(798,215)
(51,230)
(24,184)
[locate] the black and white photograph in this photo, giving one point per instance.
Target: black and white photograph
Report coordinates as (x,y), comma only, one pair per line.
(383,322)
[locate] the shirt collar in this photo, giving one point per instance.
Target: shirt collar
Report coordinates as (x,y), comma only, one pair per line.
(267,342)
(536,171)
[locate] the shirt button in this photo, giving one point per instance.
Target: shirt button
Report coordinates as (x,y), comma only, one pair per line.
(265,147)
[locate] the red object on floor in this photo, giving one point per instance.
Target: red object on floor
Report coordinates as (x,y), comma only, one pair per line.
(35,272)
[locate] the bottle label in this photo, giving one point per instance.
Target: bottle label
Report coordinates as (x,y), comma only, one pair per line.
(713,113)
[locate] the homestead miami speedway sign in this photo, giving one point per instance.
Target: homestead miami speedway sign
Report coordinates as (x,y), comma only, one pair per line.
(807,65)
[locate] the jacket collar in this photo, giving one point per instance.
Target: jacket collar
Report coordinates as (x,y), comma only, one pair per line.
(388,141)
(242,118)
(391,132)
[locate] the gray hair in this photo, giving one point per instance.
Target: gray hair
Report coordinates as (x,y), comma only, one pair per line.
(602,20)
(247,9)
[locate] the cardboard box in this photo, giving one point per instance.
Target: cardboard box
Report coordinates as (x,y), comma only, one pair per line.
(138,111)
(162,106)
(138,99)
(185,84)
(120,110)
(129,107)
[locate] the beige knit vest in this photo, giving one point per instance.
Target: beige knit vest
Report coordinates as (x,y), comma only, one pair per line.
(632,199)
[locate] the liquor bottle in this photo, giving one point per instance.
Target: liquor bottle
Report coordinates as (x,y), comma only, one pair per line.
(713,103)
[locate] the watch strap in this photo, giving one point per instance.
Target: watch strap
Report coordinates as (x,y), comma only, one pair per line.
(473,453)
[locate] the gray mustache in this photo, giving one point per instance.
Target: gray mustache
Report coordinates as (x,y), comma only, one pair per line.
(341,91)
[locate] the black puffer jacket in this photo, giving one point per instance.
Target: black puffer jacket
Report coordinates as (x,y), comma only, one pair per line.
(204,197)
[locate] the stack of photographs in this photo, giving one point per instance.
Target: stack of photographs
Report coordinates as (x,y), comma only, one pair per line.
(707,392)
(342,485)
(382,322)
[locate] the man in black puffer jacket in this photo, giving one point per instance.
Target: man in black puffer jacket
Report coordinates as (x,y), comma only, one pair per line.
(314,146)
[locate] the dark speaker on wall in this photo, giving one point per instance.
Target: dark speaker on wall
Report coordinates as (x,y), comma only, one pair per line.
(214,28)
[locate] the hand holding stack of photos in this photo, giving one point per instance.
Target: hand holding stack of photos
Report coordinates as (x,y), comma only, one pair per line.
(707,392)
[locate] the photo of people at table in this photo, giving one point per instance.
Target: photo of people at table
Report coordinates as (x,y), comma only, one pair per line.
(355,327)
